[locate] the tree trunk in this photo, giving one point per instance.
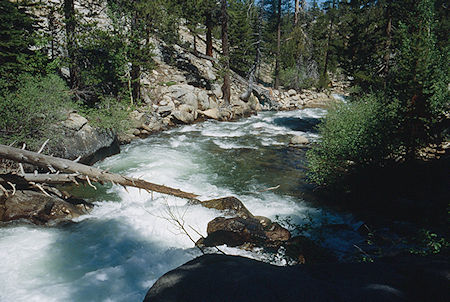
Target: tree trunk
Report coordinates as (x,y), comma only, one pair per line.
(277,60)
(69,14)
(225,52)
(297,10)
(209,44)
(327,48)
(387,54)
(135,73)
(81,172)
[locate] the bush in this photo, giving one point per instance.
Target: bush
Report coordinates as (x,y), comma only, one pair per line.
(27,113)
(355,135)
(108,113)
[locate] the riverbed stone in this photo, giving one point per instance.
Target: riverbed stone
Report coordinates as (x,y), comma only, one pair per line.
(233,232)
(39,208)
(230,204)
(299,140)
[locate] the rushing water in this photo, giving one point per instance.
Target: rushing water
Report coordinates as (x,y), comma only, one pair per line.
(118,251)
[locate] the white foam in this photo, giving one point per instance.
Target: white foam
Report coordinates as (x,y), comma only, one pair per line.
(118,251)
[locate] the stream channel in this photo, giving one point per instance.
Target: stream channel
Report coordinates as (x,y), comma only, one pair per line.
(119,250)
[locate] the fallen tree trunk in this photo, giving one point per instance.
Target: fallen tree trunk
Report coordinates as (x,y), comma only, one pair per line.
(263,95)
(81,172)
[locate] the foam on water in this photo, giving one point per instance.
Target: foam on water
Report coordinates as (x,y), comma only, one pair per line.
(119,250)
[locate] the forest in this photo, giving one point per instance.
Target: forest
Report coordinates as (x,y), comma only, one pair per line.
(330,117)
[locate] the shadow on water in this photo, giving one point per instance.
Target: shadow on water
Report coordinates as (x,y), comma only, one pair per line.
(104,260)
(305,124)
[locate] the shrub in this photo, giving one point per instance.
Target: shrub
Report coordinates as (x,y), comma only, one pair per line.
(108,113)
(354,135)
(27,112)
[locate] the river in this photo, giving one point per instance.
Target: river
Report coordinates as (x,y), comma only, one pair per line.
(119,250)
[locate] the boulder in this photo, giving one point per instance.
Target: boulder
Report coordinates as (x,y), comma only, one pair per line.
(216,89)
(179,90)
(212,113)
(203,100)
(184,114)
(223,278)
(299,140)
(254,103)
(40,209)
(75,122)
(76,138)
(291,92)
(276,232)
(231,205)
(233,232)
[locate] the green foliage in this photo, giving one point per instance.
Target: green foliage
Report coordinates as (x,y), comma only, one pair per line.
(108,113)
(27,113)
(242,37)
(430,243)
(354,136)
(102,59)
(18,36)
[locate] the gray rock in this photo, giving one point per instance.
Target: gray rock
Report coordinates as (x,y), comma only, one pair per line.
(216,90)
(184,114)
(291,92)
(299,140)
(212,113)
(180,90)
(75,122)
(203,100)
(88,143)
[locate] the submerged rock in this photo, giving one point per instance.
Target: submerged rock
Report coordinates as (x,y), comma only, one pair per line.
(231,278)
(40,209)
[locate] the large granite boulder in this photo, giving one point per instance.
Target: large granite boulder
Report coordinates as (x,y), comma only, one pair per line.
(231,278)
(76,138)
(39,208)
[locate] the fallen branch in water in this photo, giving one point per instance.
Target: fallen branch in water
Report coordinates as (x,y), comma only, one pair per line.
(79,173)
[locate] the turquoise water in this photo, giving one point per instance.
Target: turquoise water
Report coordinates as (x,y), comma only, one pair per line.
(118,251)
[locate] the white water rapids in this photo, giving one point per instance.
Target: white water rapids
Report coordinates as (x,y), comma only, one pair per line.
(119,250)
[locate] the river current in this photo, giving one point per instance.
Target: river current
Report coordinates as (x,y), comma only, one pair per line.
(119,250)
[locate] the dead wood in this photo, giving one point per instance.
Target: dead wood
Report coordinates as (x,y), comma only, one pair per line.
(79,172)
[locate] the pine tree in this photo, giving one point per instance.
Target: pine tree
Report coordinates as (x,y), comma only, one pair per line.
(17,37)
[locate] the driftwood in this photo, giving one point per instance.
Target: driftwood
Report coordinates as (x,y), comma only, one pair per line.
(263,95)
(80,173)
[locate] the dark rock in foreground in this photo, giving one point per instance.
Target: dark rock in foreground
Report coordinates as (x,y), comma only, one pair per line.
(230,278)
(40,209)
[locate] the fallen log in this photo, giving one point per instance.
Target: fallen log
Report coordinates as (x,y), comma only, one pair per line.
(81,172)
(263,95)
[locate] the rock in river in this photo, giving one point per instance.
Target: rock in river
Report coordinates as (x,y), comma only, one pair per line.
(39,208)
(231,278)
